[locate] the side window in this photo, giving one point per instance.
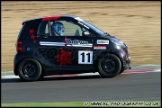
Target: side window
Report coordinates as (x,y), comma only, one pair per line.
(43,29)
(65,28)
(72,29)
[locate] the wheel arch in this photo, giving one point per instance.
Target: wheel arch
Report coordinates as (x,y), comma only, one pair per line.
(17,64)
(104,53)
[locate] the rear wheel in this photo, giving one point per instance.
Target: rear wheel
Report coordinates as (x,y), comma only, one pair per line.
(30,70)
(109,66)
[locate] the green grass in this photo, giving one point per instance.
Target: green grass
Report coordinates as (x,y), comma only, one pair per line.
(88,104)
(48,104)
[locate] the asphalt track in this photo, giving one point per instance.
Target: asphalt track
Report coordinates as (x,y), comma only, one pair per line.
(124,87)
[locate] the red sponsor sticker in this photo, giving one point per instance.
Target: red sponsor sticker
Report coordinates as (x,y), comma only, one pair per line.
(99,47)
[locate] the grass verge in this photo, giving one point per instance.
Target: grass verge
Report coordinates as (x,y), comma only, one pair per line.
(88,104)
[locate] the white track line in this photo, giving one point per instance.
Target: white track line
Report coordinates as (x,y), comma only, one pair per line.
(84,74)
(9,76)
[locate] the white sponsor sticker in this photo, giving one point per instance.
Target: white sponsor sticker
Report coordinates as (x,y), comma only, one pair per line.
(102,41)
(85,57)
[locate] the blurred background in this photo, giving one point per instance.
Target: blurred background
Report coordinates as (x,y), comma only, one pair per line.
(137,23)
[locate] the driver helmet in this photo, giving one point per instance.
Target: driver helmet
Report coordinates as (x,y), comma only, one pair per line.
(58,28)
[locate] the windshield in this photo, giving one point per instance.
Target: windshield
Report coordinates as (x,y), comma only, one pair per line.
(92,27)
(87,25)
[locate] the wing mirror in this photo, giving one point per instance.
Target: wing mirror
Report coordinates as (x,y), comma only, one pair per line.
(86,33)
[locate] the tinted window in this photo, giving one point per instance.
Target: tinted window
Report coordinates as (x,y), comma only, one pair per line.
(60,28)
(70,28)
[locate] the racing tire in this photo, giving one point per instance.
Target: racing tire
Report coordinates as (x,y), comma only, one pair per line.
(109,66)
(30,70)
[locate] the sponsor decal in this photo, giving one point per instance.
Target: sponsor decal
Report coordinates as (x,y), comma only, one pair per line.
(102,41)
(68,42)
(99,47)
(75,41)
(83,25)
(79,19)
(63,57)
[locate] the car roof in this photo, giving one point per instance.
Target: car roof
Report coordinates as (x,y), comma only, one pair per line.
(46,18)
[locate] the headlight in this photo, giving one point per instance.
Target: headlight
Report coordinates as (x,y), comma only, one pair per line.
(119,47)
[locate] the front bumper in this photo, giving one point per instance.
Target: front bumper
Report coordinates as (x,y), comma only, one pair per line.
(127,66)
(127,63)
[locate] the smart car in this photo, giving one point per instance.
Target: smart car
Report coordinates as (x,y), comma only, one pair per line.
(67,44)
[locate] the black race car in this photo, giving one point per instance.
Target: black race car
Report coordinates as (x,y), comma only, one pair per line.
(65,44)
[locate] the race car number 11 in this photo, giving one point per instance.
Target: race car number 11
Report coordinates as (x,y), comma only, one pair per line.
(85,57)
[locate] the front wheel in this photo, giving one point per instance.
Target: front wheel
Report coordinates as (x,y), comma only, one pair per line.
(109,66)
(122,70)
(30,70)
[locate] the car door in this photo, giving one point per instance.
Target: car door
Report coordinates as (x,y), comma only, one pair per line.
(67,52)
(49,46)
(77,53)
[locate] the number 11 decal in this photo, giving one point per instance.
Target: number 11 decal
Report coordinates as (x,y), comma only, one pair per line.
(85,57)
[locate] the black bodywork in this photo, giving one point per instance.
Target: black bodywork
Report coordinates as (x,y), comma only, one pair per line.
(67,54)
